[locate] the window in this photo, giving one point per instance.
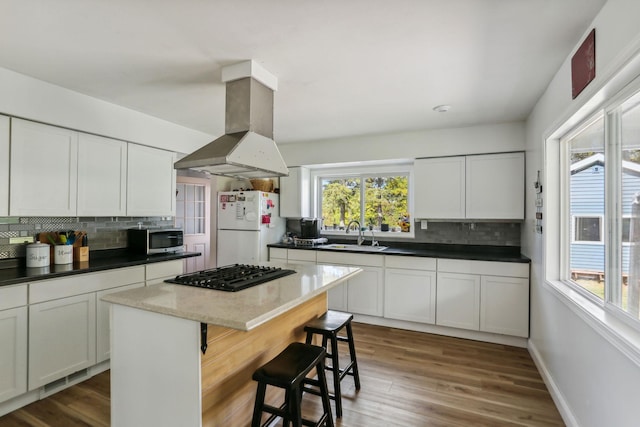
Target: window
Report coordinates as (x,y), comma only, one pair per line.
(585,148)
(190,203)
(587,229)
(602,192)
(379,202)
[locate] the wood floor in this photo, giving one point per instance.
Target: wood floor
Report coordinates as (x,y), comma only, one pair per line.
(409,379)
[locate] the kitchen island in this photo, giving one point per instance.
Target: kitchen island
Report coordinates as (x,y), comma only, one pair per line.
(161,377)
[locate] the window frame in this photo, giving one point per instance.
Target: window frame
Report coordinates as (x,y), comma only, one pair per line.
(362,172)
(609,111)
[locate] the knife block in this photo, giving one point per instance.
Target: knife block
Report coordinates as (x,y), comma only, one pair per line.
(81,253)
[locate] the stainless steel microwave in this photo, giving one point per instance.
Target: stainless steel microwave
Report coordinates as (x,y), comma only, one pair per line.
(155,241)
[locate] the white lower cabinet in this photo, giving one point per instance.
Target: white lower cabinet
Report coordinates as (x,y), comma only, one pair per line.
(279,254)
(62,338)
(337,298)
(157,273)
(504,305)
(484,296)
(63,322)
(410,289)
(458,301)
(13,336)
(103,322)
(363,294)
(301,256)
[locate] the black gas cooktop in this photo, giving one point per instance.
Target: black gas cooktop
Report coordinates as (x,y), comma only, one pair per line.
(231,278)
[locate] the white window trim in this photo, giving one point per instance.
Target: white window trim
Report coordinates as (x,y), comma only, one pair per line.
(377,170)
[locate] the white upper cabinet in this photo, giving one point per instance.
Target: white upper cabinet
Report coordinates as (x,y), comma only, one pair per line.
(439,188)
(43,170)
(102,176)
(4,166)
(294,193)
(495,186)
(487,186)
(151,182)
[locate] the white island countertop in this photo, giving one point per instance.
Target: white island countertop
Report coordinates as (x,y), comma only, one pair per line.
(242,310)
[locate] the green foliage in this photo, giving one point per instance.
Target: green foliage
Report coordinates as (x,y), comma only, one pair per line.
(386,200)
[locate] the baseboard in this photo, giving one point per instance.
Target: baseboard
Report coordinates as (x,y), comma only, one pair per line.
(442,330)
(557,396)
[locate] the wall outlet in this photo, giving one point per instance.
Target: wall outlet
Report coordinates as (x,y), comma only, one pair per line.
(423,224)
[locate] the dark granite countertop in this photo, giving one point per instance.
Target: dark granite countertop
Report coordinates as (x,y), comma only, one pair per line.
(431,250)
(14,270)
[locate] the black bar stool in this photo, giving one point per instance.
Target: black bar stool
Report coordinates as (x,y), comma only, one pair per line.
(289,371)
(328,326)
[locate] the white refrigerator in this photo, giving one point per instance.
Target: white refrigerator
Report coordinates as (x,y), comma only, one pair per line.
(247,222)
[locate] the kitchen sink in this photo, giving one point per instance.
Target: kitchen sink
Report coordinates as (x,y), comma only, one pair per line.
(353,248)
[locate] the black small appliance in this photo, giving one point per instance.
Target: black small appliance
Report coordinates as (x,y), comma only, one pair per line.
(309,228)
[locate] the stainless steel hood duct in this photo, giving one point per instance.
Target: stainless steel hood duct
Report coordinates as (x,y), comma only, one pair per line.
(247,149)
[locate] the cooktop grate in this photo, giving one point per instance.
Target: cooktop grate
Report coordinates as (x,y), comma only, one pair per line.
(231,278)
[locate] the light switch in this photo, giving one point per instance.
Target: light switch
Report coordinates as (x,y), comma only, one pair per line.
(423,224)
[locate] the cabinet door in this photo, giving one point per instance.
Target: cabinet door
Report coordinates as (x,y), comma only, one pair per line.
(410,295)
(277,254)
(44,168)
(365,291)
(4,166)
(337,298)
(495,186)
(294,193)
(439,188)
(62,338)
(102,176)
(301,256)
(504,303)
(13,352)
(103,322)
(151,182)
(458,300)
(157,273)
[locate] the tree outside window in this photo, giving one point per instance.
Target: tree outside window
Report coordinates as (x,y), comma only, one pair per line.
(375,201)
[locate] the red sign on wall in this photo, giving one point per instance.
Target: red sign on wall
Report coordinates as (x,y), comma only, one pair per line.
(583,65)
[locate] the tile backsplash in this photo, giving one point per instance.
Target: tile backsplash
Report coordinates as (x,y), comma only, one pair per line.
(103,232)
(459,233)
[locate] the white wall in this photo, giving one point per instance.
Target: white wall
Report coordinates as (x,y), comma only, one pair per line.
(26,97)
(591,378)
(408,145)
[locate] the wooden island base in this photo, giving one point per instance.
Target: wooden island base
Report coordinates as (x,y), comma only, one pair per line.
(228,392)
(159,376)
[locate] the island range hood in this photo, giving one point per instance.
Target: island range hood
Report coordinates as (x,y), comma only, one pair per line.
(247,149)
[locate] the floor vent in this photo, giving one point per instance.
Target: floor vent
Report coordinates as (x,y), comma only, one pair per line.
(62,383)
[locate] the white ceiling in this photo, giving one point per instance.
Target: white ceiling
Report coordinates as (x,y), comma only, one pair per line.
(344,67)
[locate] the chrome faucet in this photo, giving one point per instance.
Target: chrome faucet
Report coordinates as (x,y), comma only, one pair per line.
(374,242)
(360,236)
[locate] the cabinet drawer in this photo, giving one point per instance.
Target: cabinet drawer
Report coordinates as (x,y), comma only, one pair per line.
(277,253)
(301,255)
(412,263)
(47,290)
(13,296)
(349,258)
(161,270)
(509,269)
